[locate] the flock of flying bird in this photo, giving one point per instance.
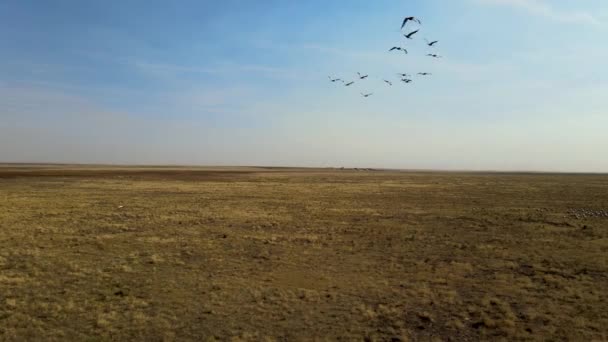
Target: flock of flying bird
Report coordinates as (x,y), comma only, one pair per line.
(405,78)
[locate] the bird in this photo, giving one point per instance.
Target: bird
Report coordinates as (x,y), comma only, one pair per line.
(406,80)
(367,95)
(362,77)
(404,75)
(398,48)
(409,35)
(349,84)
(335,79)
(431,43)
(388,82)
(406,19)
(424,73)
(433,55)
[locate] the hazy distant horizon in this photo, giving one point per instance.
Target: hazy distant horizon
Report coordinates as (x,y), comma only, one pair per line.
(295,167)
(522,85)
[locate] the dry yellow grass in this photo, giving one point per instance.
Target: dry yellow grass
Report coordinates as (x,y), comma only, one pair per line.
(279,254)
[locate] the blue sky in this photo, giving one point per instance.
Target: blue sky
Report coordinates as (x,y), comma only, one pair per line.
(522,85)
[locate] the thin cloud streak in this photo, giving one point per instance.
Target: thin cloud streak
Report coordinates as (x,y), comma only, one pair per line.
(541,8)
(174,69)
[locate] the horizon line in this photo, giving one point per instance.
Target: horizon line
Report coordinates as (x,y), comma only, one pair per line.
(358,168)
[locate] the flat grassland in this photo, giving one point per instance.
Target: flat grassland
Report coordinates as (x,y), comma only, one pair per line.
(92,253)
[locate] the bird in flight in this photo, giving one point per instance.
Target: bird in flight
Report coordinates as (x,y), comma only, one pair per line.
(406,19)
(398,48)
(409,35)
(362,77)
(404,77)
(431,43)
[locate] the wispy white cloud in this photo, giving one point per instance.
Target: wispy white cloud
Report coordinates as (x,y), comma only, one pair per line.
(176,70)
(543,8)
(23,101)
(171,68)
(224,68)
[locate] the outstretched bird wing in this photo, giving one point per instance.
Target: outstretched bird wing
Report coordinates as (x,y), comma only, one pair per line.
(409,35)
(406,19)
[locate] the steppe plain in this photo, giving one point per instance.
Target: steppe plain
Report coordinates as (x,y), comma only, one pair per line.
(93,253)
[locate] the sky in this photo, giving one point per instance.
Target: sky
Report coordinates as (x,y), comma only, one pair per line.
(522,84)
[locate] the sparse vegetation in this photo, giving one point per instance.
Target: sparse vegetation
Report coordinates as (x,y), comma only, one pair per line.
(285,254)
